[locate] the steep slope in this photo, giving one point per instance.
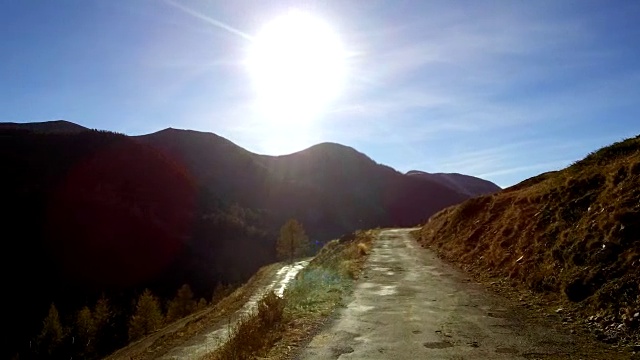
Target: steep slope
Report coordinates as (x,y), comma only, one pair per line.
(370,194)
(571,235)
(94,213)
(331,188)
(465,184)
(83,213)
(234,175)
(211,159)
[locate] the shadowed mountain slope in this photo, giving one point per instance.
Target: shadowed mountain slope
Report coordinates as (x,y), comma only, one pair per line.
(465,184)
(571,235)
(93,212)
(331,188)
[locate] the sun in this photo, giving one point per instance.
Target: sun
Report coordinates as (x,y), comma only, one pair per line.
(297,65)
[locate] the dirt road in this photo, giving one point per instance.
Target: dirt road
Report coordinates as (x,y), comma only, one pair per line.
(411,305)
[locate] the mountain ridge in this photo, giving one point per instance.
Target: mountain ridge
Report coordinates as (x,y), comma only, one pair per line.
(54,126)
(466,184)
(106,213)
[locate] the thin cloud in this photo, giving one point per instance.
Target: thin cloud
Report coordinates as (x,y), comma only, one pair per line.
(547,166)
(210,20)
(504,75)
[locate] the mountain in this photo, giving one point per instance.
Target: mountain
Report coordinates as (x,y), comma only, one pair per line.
(465,184)
(94,213)
(86,213)
(331,188)
(572,236)
(57,126)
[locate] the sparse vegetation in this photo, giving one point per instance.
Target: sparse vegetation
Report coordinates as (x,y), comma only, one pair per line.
(571,236)
(280,323)
(256,333)
(220,292)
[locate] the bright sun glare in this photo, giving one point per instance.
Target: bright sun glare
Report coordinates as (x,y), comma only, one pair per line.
(297,64)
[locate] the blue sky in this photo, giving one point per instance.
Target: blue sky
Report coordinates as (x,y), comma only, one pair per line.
(496,89)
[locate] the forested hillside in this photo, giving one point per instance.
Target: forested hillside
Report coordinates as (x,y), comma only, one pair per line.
(96,215)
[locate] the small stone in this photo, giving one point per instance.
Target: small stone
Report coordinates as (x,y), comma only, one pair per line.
(559,310)
(612,338)
(572,331)
(636,315)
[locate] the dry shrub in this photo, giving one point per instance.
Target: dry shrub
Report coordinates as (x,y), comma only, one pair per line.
(256,333)
(350,268)
(363,249)
(270,309)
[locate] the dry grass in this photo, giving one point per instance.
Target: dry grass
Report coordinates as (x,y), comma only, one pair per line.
(255,334)
(363,249)
(571,235)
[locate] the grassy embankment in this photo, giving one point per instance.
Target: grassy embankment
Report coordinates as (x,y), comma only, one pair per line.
(280,325)
(569,238)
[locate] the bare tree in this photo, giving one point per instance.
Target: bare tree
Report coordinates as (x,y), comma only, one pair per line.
(292,242)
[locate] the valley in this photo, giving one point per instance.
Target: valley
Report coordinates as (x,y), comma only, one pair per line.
(99,215)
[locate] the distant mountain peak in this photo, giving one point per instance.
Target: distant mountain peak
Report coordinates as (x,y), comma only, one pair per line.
(331,145)
(53,126)
(417,172)
(331,149)
(465,184)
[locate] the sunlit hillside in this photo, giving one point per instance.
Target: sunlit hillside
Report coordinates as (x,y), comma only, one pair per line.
(572,235)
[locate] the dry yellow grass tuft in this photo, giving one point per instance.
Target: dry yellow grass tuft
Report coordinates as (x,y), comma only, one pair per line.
(363,249)
(256,333)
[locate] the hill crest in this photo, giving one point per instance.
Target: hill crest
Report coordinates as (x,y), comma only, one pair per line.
(54,126)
